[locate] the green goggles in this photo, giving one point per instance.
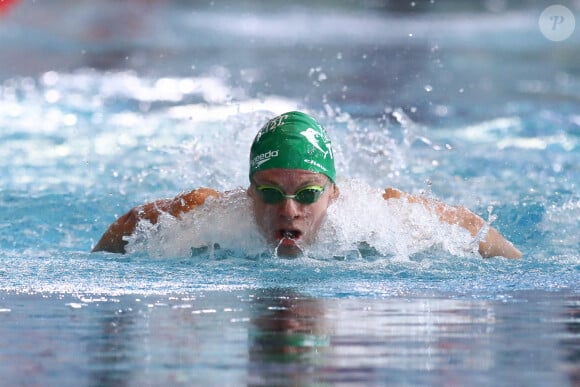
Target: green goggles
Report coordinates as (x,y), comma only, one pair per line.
(306,195)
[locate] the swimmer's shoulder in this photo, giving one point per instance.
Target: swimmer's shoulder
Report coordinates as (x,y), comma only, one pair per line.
(113,240)
(187,201)
(392,193)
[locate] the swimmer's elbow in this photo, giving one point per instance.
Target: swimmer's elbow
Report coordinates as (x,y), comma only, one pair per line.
(495,245)
(113,240)
(112,245)
(509,252)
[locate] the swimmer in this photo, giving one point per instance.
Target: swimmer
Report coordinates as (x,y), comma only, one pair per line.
(292,184)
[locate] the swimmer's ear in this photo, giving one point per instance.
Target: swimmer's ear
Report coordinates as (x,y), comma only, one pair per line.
(250,192)
(335,192)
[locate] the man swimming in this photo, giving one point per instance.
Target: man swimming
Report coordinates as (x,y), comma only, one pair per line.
(292,184)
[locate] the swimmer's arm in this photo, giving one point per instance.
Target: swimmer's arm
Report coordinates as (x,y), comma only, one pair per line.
(112,240)
(494,244)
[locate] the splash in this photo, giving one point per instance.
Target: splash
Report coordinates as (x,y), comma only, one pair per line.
(362,223)
(217,228)
(359,225)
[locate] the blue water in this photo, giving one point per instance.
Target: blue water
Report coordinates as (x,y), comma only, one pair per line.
(106,105)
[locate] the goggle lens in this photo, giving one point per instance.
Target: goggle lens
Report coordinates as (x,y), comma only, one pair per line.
(306,195)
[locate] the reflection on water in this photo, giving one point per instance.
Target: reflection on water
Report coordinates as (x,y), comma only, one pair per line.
(302,340)
(290,335)
(571,340)
(112,348)
(279,336)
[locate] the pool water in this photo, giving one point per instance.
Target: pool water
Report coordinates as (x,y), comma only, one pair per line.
(107,105)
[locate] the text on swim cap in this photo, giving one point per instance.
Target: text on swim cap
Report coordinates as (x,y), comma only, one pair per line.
(275,122)
(271,125)
(318,165)
(263,158)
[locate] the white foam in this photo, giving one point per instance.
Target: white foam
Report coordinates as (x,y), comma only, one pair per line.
(227,223)
(393,228)
(360,223)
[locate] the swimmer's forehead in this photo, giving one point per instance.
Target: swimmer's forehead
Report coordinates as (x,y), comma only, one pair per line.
(294,177)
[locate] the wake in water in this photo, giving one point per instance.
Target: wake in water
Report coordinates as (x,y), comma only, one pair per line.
(359,225)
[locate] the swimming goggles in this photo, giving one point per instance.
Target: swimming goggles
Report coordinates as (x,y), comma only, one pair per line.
(306,195)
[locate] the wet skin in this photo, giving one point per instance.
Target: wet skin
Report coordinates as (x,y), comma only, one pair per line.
(289,225)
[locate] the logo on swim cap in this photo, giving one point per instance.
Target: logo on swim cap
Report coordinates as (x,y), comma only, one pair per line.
(292,140)
(263,158)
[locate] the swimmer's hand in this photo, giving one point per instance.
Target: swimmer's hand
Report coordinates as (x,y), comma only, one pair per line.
(494,245)
(113,239)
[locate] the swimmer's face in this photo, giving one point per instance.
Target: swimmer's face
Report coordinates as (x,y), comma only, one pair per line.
(290,224)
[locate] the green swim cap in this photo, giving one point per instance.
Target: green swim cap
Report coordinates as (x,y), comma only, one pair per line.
(293,140)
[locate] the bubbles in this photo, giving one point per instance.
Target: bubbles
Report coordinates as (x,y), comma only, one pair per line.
(317,75)
(52,96)
(50,78)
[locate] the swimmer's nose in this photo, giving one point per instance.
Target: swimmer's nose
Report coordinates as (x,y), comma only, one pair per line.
(289,209)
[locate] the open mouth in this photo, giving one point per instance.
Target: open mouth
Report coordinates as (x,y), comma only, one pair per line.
(288,234)
(289,244)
